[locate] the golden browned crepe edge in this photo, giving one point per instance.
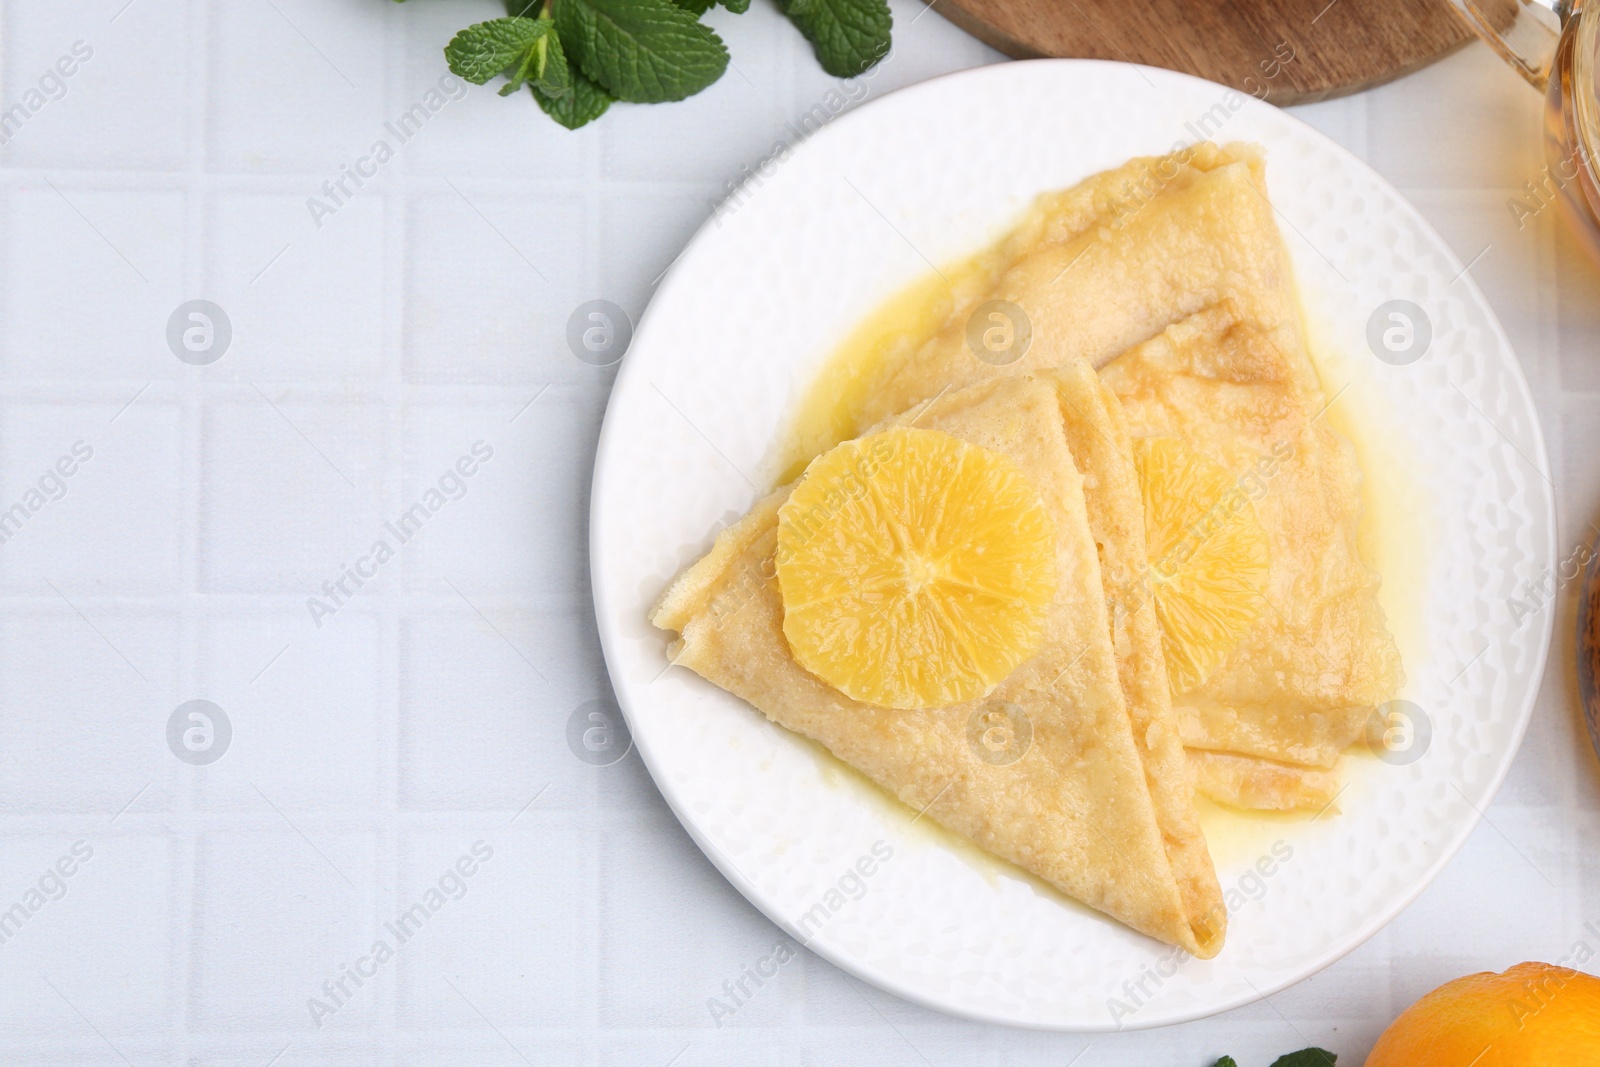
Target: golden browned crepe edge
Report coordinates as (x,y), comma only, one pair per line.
(686,596)
(1263,785)
(1098,440)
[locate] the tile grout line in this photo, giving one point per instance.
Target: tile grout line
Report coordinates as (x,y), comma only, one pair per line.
(389,608)
(192,403)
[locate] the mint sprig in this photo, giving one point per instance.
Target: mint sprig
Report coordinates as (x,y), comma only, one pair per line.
(525,50)
(582,100)
(578,56)
(481,51)
(642,51)
(849,36)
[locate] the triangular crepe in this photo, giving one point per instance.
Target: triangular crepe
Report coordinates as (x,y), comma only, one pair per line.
(1177,261)
(1087,807)
(1300,685)
(1110,263)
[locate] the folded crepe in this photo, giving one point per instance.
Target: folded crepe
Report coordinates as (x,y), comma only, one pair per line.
(1100,804)
(1110,263)
(1169,273)
(1300,685)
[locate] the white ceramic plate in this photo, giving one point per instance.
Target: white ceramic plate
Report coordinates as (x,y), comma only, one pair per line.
(739,328)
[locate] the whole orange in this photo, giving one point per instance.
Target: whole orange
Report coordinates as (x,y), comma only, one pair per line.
(1533,1015)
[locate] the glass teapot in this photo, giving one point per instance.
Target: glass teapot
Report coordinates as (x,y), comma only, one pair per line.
(1552,43)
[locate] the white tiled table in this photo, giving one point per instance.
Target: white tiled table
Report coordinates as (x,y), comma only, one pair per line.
(370,753)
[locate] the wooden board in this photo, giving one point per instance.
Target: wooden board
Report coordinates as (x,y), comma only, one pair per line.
(1337,47)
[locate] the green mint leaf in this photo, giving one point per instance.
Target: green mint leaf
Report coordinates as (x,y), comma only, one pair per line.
(643,51)
(1307,1057)
(480,52)
(543,65)
(562,92)
(849,36)
(1226,1061)
(582,103)
(738,7)
(555,77)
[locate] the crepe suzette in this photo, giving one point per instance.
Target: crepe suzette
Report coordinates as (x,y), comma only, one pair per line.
(1169,273)
(1300,679)
(1099,804)
(1175,265)
(1108,264)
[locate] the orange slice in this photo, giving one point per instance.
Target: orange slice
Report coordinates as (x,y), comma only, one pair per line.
(916,569)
